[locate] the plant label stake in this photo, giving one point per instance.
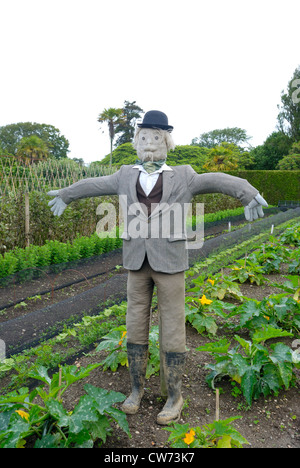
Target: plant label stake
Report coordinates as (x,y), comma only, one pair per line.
(27,229)
(217,404)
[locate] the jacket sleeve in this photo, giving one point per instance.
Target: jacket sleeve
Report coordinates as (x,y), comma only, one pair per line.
(217,182)
(92,187)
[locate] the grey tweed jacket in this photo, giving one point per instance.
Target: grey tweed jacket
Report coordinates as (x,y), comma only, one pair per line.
(162,235)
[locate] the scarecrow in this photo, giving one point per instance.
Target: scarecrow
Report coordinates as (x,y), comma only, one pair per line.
(153,256)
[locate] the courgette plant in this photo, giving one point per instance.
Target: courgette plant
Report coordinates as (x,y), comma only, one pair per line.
(260,370)
(40,417)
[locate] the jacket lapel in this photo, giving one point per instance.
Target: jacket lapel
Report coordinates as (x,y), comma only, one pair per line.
(168,182)
(167,186)
(133,202)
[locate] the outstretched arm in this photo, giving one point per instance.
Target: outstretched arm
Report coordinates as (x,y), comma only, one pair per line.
(92,187)
(216,182)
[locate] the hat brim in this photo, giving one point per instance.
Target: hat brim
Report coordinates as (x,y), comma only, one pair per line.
(169,128)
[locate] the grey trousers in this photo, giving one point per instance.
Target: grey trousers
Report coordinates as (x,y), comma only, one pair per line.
(171,306)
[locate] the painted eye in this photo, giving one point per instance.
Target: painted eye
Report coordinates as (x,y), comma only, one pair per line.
(156,138)
(143,138)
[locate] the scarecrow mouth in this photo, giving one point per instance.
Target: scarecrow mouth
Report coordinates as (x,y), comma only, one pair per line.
(149,149)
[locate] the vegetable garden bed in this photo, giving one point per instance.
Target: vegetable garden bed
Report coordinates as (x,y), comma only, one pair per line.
(242,330)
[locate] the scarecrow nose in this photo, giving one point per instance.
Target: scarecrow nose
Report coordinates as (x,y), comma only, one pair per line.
(149,140)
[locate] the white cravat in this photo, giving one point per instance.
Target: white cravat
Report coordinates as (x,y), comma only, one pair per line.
(148,181)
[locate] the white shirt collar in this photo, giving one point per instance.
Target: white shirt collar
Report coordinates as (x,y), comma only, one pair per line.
(164,167)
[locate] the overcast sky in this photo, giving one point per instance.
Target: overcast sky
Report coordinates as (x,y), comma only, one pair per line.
(206,64)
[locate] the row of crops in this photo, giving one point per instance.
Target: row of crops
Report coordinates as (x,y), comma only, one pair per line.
(257,351)
(58,253)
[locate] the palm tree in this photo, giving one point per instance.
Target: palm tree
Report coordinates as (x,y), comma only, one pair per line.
(222,158)
(31,149)
(113,117)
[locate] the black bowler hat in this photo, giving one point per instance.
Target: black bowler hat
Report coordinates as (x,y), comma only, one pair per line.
(156,119)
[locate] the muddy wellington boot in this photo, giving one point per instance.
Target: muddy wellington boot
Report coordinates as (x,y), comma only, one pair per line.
(137,360)
(174,367)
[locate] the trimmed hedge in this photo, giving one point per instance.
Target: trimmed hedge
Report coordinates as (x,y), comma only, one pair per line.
(274,185)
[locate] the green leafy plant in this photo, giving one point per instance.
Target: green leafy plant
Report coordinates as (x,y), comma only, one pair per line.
(218,287)
(291,236)
(257,368)
(153,364)
(114,343)
(201,313)
(292,286)
(49,423)
(247,270)
(294,264)
(219,434)
(278,310)
(270,261)
(270,255)
(54,253)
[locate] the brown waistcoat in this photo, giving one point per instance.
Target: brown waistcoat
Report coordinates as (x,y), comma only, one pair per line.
(153,197)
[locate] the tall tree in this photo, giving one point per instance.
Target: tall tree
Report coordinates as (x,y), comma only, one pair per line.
(32,149)
(211,139)
(275,147)
(11,135)
(291,162)
(289,110)
(126,128)
(112,117)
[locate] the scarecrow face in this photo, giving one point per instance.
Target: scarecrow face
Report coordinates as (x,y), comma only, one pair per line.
(151,145)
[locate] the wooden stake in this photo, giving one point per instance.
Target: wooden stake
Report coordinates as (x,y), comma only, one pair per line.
(217,405)
(27,231)
(59,382)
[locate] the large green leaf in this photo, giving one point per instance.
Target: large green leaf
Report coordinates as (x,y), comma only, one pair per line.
(58,412)
(112,339)
(40,373)
(18,426)
(219,347)
(48,441)
(240,363)
(246,345)
(248,310)
(268,333)
(204,322)
(98,429)
(17,396)
(72,374)
(281,353)
(248,382)
(84,411)
(103,399)
(103,402)
(286,372)
(269,381)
